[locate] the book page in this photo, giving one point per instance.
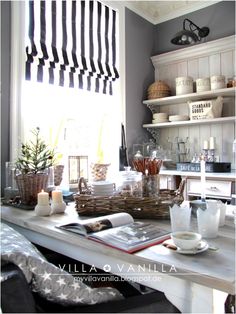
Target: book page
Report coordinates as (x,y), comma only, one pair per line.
(98,224)
(132,236)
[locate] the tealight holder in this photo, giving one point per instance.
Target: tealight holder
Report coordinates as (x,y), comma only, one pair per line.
(43,210)
(58,208)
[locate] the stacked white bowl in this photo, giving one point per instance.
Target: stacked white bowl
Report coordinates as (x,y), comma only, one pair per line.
(160,117)
(102,188)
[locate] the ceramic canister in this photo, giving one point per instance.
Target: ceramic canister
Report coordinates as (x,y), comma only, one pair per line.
(217,82)
(203,84)
(184,85)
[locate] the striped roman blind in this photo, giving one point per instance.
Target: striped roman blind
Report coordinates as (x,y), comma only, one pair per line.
(72,43)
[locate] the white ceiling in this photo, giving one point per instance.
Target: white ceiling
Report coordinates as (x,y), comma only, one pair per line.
(160,11)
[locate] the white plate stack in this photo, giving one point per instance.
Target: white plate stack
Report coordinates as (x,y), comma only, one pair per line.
(102,188)
(160,117)
(178,118)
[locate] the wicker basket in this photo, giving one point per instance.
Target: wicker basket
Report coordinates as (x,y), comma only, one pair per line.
(99,171)
(138,207)
(30,185)
(158,89)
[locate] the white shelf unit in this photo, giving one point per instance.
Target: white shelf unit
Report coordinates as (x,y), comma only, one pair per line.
(189,122)
(198,61)
(174,100)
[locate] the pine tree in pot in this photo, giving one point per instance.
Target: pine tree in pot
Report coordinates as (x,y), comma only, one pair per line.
(32,168)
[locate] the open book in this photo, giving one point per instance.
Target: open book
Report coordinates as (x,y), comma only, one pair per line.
(119,231)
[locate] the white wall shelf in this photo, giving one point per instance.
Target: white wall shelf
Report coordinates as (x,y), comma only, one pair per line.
(198,61)
(173,100)
(189,122)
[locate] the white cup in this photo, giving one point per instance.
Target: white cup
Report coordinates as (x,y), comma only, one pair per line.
(180,218)
(208,219)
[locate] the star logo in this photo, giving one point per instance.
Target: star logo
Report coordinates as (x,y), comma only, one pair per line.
(15,245)
(112,293)
(33,269)
(76,285)
(5,241)
(46,276)
(107,268)
(61,281)
(62,296)
(46,290)
(78,299)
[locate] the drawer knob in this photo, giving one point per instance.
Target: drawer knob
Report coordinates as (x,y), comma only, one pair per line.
(213,188)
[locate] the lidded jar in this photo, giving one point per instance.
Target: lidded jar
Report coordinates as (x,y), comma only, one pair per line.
(184,85)
(130,183)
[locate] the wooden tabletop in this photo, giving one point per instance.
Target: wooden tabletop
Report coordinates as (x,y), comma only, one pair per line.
(212,268)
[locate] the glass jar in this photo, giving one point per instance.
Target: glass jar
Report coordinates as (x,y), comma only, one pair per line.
(130,183)
(151,185)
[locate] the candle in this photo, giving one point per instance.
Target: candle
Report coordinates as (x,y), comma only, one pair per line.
(43,198)
(205,145)
(57,196)
(212,142)
(203,179)
(58,205)
(43,208)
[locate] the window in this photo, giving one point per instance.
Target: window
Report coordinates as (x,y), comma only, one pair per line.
(76,122)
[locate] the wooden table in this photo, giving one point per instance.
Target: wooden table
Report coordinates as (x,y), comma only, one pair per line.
(194,283)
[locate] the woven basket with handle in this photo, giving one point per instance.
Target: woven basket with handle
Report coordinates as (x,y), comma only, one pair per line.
(138,207)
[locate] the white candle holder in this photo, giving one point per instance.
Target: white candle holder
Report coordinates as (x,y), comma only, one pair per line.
(211,155)
(43,210)
(58,208)
(205,153)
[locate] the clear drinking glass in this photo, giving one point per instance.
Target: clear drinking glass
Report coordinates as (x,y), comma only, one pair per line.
(208,219)
(180,218)
(10,190)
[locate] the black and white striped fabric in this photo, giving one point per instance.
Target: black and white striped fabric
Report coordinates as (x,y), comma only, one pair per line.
(72,43)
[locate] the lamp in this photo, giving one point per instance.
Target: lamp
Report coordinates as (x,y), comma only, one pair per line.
(187,37)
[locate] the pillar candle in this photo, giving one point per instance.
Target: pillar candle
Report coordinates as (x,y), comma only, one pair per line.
(212,142)
(43,208)
(58,205)
(203,179)
(43,198)
(57,196)
(205,145)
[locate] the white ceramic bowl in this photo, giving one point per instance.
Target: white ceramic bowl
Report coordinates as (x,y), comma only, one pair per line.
(186,240)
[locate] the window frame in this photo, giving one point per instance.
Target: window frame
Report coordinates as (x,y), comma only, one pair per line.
(18,69)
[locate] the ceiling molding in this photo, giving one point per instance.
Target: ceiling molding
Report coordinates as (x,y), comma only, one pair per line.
(173,12)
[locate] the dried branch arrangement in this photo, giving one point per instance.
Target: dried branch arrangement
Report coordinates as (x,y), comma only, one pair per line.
(148,166)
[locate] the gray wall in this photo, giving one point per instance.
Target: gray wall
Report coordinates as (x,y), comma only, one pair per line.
(139,46)
(220,18)
(144,40)
(5,85)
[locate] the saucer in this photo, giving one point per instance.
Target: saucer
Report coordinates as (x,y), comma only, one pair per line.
(202,247)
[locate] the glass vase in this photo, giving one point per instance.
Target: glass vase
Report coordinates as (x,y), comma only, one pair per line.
(151,185)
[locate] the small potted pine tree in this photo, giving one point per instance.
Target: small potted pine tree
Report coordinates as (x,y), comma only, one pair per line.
(32,168)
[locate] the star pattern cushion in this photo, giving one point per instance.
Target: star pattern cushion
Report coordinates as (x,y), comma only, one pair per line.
(49,281)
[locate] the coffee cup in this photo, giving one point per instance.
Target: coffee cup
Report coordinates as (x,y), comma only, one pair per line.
(186,240)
